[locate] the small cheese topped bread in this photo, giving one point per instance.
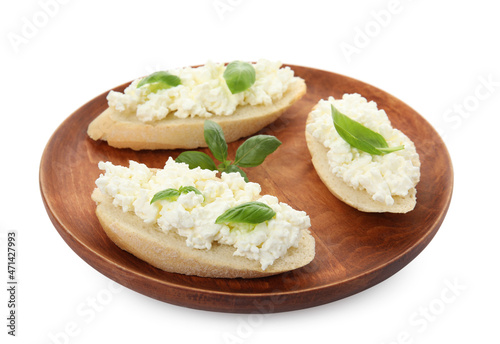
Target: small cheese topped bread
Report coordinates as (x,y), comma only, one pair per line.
(191,222)
(166,110)
(380,178)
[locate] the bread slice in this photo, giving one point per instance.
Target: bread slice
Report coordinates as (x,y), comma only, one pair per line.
(124,130)
(168,251)
(359,199)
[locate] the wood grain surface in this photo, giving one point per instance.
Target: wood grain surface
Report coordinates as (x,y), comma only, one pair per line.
(354,250)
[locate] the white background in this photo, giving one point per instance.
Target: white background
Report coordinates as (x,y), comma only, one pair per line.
(435,56)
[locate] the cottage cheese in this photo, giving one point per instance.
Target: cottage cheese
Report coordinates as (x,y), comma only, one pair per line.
(382,176)
(203,92)
(193,216)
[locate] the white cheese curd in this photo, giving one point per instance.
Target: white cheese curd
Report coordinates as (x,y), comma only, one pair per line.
(203,92)
(382,176)
(193,216)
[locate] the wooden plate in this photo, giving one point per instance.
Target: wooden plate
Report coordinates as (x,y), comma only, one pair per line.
(354,250)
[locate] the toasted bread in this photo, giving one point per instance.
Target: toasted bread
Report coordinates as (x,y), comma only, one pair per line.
(168,251)
(125,130)
(356,198)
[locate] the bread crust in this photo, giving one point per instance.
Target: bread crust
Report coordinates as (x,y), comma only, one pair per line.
(359,199)
(125,130)
(168,251)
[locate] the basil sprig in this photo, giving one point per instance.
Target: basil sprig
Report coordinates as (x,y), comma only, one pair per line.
(172,194)
(159,81)
(215,139)
(250,212)
(239,76)
(251,153)
(197,159)
(359,136)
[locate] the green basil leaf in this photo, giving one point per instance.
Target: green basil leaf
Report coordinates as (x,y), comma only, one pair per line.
(222,166)
(391,149)
(197,159)
(239,76)
(359,136)
(234,168)
(253,151)
(250,212)
(214,137)
(186,189)
(159,81)
(167,194)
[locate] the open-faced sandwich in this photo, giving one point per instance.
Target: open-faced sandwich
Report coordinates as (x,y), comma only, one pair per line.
(166,110)
(189,221)
(359,156)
